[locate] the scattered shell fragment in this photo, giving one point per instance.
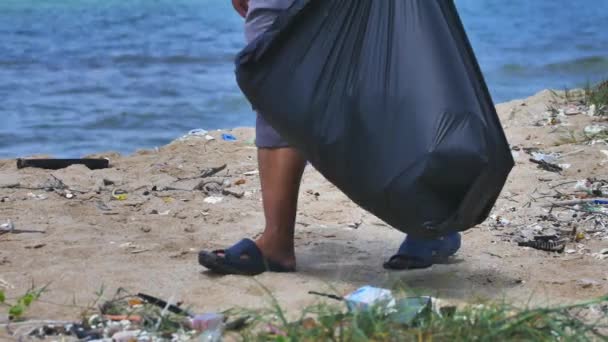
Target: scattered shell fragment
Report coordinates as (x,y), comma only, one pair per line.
(36,196)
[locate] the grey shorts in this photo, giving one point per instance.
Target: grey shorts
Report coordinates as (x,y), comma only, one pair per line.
(261,15)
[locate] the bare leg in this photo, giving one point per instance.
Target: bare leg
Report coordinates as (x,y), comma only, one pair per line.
(280,175)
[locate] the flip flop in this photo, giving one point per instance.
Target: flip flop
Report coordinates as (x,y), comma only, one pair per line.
(244,258)
(420,253)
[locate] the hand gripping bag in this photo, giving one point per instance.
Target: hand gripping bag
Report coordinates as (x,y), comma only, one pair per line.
(385,98)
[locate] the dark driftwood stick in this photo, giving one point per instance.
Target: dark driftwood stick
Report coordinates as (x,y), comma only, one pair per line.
(56,164)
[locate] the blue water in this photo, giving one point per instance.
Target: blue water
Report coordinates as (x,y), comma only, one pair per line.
(83,76)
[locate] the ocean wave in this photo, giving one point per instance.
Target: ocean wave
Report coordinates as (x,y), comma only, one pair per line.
(125,120)
(173,60)
(81,90)
(16,62)
(577,66)
(584,64)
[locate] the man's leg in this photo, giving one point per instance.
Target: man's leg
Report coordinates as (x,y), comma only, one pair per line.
(281,168)
(280,175)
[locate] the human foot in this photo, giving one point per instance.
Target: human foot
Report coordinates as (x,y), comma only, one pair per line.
(280,250)
(422,253)
(244,258)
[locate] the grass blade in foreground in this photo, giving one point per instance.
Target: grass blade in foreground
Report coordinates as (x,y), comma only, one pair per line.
(586,321)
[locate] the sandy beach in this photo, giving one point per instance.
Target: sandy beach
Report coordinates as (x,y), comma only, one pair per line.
(149,241)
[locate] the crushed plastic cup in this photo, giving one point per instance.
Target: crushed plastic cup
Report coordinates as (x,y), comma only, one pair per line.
(583,185)
(127,336)
(550,158)
(7,227)
(207,321)
(211,325)
(367,297)
(408,309)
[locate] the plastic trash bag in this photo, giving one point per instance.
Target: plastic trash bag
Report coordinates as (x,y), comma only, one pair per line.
(385,98)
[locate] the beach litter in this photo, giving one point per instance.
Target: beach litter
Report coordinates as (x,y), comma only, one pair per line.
(367,297)
(498,221)
(587,283)
(9,227)
(546,161)
(57,164)
(193,134)
(120,195)
(370,298)
(210,325)
(552,158)
(213,200)
(544,238)
(594,130)
(408,309)
(547,244)
(228,137)
(601,255)
(212,171)
(139,317)
(543,165)
(198,133)
(39,197)
(591,187)
(572,110)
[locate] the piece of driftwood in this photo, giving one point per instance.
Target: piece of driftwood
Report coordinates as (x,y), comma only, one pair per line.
(56,164)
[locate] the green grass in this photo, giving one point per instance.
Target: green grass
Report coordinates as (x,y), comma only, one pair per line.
(331,321)
(486,322)
(591,94)
(17,307)
(598,95)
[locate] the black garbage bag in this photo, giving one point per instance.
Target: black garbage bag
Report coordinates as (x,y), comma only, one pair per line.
(385,98)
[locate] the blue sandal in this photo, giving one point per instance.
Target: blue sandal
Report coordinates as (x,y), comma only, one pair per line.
(244,258)
(421,253)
